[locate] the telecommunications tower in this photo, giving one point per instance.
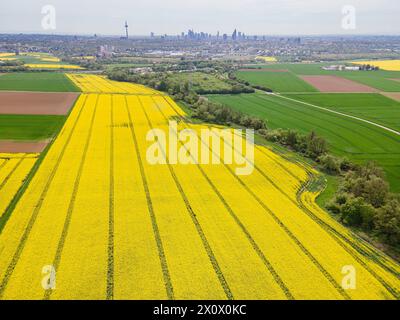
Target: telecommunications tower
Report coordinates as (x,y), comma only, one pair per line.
(126,29)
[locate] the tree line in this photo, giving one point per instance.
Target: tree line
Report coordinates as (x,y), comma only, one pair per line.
(363,199)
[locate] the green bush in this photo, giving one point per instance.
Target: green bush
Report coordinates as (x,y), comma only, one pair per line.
(364,201)
(387,222)
(356,212)
(330,164)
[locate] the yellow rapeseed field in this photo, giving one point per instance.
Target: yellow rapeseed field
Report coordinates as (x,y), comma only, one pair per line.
(389,65)
(100,84)
(49,59)
(267,59)
(6,54)
(14,168)
(52,66)
(113,226)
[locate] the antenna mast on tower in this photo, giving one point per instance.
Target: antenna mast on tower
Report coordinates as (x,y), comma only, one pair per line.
(126,29)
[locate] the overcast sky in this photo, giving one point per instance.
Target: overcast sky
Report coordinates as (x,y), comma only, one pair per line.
(268,17)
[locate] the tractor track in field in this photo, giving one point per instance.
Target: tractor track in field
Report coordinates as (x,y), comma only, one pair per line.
(329,229)
(110,86)
(206,245)
(32,220)
(313,124)
(364,125)
(110,260)
(335,235)
(253,243)
(9,175)
(341,114)
(311,257)
(324,272)
(361,122)
(326,225)
(118,84)
(157,237)
(3,163)
(82,86)
(125,92)
(339,238)
(348,244)
(71,206)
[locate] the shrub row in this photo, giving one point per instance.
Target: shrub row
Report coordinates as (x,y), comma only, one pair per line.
(363,199)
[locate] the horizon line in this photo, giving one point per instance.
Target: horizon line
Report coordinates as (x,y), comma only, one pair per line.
(213,35)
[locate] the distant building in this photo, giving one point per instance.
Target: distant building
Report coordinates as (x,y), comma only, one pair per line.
(330,68)
(341,68)
(105,51)
(352,68)
(234,35)
(143,70)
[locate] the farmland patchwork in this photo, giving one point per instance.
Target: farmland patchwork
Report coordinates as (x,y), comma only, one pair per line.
(173,231)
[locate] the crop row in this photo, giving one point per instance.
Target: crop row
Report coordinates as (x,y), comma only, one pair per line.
(114,226)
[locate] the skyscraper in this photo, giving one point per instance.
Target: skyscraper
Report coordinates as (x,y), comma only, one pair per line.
(234,35)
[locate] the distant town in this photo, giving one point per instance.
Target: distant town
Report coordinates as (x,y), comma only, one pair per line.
(192,44)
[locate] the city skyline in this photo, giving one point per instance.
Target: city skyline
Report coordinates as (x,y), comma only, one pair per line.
(273,17)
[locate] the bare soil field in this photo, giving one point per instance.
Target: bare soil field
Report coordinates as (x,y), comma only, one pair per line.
(392,95)
(7,146)
(35,103)
(336,84)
